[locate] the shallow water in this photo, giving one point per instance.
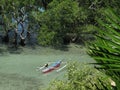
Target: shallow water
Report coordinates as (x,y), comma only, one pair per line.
(18,71)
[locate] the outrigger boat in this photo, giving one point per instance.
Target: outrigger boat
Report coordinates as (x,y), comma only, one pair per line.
(52,67)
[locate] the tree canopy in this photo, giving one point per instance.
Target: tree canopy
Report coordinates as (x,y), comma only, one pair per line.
(56,22)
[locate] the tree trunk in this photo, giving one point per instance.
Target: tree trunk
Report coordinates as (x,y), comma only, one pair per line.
(15,39)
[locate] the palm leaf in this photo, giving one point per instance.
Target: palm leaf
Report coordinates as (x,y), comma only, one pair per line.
(106,49)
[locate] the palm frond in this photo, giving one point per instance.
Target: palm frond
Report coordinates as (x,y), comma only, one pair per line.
(106,49)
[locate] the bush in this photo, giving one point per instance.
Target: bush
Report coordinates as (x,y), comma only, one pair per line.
(82,77)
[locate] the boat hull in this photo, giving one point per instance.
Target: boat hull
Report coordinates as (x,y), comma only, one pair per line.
(51,68)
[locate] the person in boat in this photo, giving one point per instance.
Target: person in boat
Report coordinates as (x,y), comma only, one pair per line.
(46,65)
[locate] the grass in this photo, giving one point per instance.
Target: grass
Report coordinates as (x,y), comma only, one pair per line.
(18,71)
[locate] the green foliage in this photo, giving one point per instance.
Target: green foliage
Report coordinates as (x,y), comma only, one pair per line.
(106,49)
(82,77)
(46,37)
(58,18)
(63,17)
(17,9)
(69,17)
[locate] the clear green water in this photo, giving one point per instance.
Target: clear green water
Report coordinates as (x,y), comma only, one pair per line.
(18,71)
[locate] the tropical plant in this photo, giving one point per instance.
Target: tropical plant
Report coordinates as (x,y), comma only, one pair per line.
(82,77)
(106,49)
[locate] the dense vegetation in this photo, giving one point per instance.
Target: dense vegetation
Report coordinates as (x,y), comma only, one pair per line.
(56,22)
(59,22)
(105,50)
(82,77)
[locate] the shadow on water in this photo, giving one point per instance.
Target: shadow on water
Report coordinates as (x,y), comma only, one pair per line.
(14,50)
(2,51)
(19,50)
(37,49)
(61,47)
(57,47)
